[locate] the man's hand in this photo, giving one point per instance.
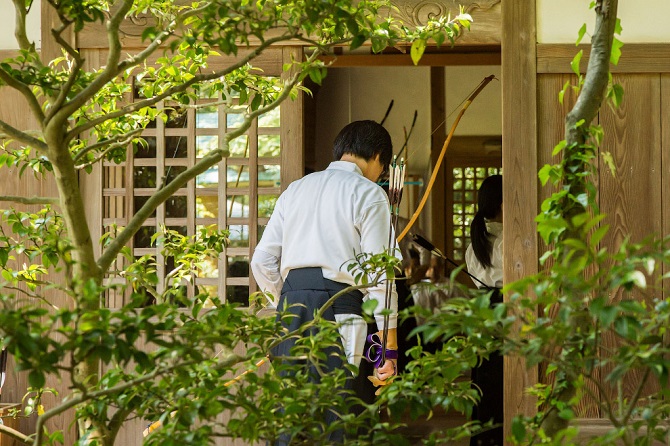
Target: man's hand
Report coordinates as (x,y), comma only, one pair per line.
(387,370)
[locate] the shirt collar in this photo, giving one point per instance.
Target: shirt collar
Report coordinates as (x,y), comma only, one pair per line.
(494,227)
(346,166)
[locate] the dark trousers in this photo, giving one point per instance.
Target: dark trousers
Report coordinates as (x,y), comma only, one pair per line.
(488,377)
(306,291)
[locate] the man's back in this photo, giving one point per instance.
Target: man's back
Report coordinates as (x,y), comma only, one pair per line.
(326,218)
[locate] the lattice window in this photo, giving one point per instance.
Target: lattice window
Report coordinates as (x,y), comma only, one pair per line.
(466,182)
(239,193)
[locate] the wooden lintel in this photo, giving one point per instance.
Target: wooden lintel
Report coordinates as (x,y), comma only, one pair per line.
(429,60)
(635,58)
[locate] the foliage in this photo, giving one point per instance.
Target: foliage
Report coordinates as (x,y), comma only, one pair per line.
(161,355)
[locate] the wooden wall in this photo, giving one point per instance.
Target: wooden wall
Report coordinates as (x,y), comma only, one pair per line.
(15,112)
(636,135)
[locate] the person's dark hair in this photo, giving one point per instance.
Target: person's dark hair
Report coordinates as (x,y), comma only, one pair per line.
(364,139)
(489,200)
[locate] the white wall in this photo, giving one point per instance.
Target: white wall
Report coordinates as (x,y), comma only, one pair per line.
(484,115)
(643,21)
(350,94)
(7,39)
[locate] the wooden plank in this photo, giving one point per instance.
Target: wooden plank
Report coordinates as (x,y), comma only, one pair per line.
(50,20)
(292,131)
(473,58)
(6,54)
(438,116)
(632,200)
(551,113)
(15,112)
(486,16)
(635,58)
(270,60)
(519,161)
(665,173)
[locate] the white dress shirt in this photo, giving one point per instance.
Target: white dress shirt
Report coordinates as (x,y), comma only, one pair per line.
(323,220)
(492,276)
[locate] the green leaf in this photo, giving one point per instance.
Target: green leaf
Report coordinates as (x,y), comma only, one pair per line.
(357,41)
(617,95)
(518,430)
(617,27)
(609,161)
(598,235)
(36,379)
(561,94)
(559,147)
(417,49)
(575,62)
(615,55)
(580,35)
(369,306)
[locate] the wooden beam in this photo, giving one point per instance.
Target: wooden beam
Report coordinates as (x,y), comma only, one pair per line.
(404,60)
(50,20)
(635,58)
(438,117)
(520,184)
(292,130)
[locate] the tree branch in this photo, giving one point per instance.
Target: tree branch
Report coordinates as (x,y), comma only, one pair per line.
(15,434)
(20,31)
(23,137)
(597,72)
(176,89)
(111,70)
(113,67)
(113,143)
(30,200)
(26,92)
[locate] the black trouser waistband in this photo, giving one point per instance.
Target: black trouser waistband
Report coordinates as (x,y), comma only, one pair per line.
(312,279)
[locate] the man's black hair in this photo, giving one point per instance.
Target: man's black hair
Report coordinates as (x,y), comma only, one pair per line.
(364,139)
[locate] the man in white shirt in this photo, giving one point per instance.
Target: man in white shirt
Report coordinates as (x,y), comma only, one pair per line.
(318,226)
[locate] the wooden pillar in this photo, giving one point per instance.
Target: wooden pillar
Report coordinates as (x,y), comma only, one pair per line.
(438,119)
(520,183)
(292,138)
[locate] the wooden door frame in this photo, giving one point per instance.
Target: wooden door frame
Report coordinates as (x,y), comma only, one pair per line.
(520,184)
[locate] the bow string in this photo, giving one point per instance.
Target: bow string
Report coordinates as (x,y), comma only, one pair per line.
(438,164)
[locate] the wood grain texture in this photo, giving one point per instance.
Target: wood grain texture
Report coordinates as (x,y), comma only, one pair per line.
(665,173)
(485,30)
(471,58)
(519,162)
(486,15)
(635,58)
(292,131)
(632,200)
(551,113)
(14,111)
(437,119)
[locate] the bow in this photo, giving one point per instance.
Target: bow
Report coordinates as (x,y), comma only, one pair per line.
(422,203)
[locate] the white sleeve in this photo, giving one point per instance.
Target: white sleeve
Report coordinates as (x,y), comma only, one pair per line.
(266,261)
(497,262)
(265,267)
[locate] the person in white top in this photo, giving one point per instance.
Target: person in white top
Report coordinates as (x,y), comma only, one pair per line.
(484,255)
(319,224)
(484,260)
